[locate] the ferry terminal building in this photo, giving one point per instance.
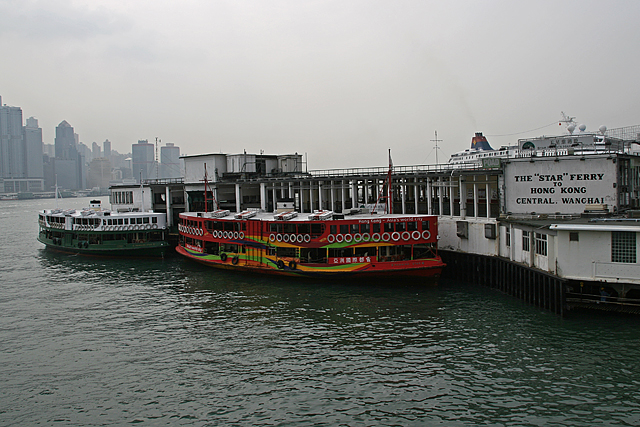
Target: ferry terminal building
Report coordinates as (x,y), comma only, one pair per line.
(568,215)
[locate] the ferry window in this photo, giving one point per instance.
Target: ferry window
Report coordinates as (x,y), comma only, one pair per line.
(366,251)
(230,248)
(289,228)
(365,228)
(228,226)
(306,228)
(355,228)
(340,252)
(273,227)
(525,241)
(400,227)
(154,220)
(412,226)
(425,225)
(120,221)
(388,227)
(271,250)
(126,221)
(145,220)
(375,228)
(623,246)
(333,229)
(244,226)
(573,236)
(317,230)
(287,252)
(104,222)
(507,236)
(344,228)
(217,225)
(541,244)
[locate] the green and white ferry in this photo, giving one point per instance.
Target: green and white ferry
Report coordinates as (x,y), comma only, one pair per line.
(98,231)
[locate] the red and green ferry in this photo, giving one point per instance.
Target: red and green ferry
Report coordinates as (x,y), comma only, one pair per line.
(318,244)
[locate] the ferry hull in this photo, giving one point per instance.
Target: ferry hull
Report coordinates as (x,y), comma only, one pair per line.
(426,269)
(156,250)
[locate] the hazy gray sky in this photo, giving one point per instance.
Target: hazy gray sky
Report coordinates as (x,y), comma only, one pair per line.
(340,80)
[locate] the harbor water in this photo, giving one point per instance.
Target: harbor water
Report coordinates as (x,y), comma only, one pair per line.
(86,341)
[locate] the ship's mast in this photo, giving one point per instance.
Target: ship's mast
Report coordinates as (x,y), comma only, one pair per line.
(436,140)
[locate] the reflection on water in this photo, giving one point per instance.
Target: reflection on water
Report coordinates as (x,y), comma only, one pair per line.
(106,341)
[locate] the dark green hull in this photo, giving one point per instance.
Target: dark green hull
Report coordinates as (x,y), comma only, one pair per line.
(68,243)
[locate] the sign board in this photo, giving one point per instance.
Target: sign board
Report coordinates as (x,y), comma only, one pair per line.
(491,163)
(565,186)
(559,142)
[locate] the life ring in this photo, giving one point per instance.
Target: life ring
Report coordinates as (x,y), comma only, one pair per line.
(285,238)
(300,238)
(235,260)
(241,235)
(348,238)
(146,227)
(223,257)
(292,265)
(339,238)
(225,235)
(279,237)
(154,226)
(357,237)
(235,235)
(406,235)
(375,237)
(307,238)
(386,236)
(272,238)
(366,237)
(330,238)
(395,236)
(416,235)
(426,235)
(280,264)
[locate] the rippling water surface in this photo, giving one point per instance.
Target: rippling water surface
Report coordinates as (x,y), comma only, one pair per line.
(91,341)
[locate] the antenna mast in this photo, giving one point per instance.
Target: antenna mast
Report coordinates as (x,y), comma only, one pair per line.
(157,157)
(436,140)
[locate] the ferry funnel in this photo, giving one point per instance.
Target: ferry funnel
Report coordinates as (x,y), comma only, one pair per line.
(479,142)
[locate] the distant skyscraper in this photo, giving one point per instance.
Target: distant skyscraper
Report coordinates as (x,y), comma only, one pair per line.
(170,161)
(65,142)
(95,150)
(106,148)
(69,165)
(33,149)
(142,159)
(12,153)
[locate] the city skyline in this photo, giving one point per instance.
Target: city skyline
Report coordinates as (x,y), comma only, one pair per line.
(341,82)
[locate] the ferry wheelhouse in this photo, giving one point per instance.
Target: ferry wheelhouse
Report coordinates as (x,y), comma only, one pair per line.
(319,244)
(97,231)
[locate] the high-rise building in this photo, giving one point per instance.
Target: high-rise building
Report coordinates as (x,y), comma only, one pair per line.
(142,159)
(95,150)
(33,149)
(68,166)
(65,142)
(106,148)
(99,173)
(170,161)
(12,153)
